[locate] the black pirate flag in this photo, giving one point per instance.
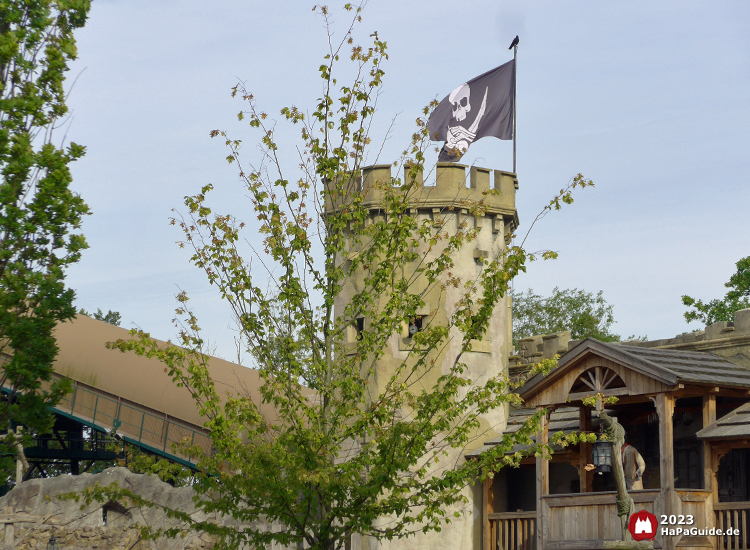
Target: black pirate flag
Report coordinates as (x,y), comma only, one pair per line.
(481,107)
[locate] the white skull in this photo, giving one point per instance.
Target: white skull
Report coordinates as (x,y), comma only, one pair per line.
(460,100)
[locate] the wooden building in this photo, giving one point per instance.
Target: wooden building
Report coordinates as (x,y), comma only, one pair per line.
(686,411)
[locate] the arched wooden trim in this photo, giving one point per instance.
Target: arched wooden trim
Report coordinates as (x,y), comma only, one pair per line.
(597,380)
(558,391)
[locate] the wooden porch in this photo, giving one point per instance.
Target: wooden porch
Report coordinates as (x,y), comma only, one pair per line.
(593,513)
(587,519)
(733,514)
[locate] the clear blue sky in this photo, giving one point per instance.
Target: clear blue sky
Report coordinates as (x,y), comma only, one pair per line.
(648,99)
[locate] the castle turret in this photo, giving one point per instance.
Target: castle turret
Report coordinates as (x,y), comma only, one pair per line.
(463,198)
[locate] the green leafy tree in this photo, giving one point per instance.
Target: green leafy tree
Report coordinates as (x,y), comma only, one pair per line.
(344,449)
(723,310)
(584,314)
(39,214)
(111,317)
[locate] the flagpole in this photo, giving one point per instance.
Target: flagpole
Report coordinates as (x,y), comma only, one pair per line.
(515,72)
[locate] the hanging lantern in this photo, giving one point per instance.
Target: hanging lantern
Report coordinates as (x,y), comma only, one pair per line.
(53,544)
(601,456)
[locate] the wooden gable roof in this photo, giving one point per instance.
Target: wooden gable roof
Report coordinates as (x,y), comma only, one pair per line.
(618,370)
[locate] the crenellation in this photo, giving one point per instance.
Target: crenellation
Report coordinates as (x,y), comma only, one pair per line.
(530,346)
(479,179)
(719,329)
(507,185)
(450,193)
(544,346)
(742,321)
(555,344)
(737,330)
(450,179)
(728,339)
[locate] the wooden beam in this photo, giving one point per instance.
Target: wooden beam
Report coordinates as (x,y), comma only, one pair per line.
(20,517)
(598,499)
(731,505)
(709,417)
(586,478)
(10,537)
(488,503)
(665,410)
(606,393)
(542,486)
(513,515)
(691,495)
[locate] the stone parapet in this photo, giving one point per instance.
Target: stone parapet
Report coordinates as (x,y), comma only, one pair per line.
(534,349)
(452,190)
(716,334)
(543,346)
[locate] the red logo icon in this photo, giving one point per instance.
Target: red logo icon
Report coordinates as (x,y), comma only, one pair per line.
(642,526)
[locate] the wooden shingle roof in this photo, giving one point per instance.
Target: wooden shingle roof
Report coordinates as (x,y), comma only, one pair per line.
(734,425)
(669,367)
(565,419)
(692,366)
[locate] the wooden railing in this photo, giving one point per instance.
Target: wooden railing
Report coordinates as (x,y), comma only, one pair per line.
(583,520)
(736,516)
(513,531)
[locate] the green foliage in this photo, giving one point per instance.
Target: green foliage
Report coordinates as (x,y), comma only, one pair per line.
(584,314)
(593,400)
(573,438)
(111,317)
(346,449)
(39,214)
(142,462)
(734,300)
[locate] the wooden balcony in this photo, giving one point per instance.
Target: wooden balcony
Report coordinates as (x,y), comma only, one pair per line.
(735,515)
(513,531)
(584,521)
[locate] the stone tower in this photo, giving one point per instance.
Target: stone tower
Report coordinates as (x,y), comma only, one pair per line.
(448,207)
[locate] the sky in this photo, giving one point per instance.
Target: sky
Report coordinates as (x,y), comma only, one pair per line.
(647,99)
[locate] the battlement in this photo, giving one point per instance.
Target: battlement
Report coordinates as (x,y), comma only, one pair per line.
(452,189)
(729,339)
(720,333)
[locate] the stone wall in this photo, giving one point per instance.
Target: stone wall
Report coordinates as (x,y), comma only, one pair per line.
(728,339)
(32,513)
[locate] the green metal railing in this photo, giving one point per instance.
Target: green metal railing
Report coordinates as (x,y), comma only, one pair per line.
(152,431)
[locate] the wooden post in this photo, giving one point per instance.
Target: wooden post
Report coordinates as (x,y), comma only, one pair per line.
(586,478)
(709,417)
(665,410)
(542,487)
(488,507)
(10,534)
(710,481)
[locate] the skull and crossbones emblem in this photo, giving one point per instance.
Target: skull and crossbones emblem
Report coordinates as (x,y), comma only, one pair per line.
(459,138)
(459,98)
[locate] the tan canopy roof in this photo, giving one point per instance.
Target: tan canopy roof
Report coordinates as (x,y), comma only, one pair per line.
(84,357)
(134,396)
